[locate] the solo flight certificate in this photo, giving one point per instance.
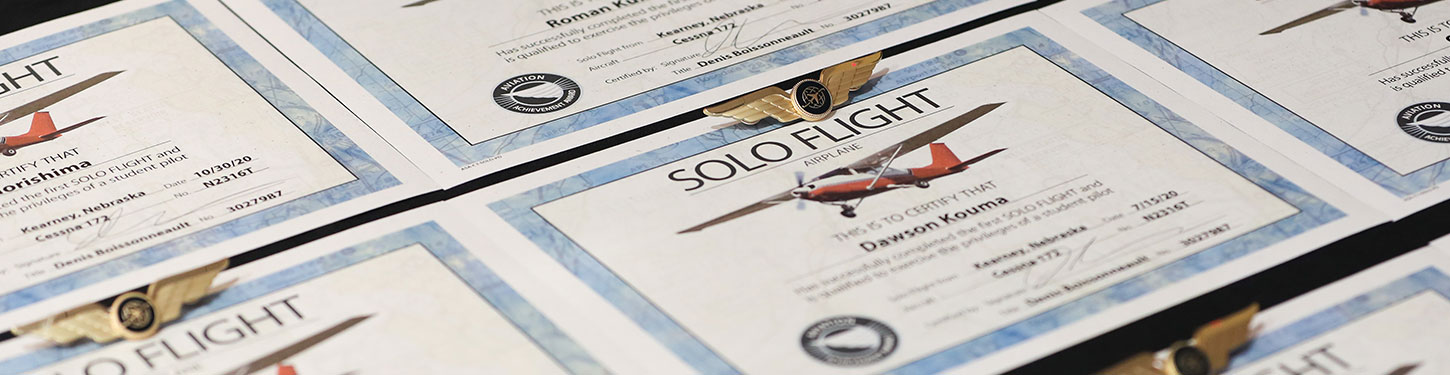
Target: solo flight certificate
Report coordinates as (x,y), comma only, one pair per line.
(1389,319)
(136,134)
(987,200)
(461,85)
(1354,88)
(323,309)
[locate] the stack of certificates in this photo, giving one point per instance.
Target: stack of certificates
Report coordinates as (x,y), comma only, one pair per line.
(713,186)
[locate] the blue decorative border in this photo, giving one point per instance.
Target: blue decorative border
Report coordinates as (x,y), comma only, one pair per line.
(369,176)
(518,211)
(1426,280)
(1113,15)
(434,238)
(462,153)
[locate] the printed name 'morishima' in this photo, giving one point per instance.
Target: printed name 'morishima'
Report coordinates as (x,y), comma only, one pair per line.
(43,177)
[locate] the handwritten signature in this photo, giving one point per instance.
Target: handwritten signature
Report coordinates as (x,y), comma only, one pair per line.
(122,223)
(1088,255)
(732,37)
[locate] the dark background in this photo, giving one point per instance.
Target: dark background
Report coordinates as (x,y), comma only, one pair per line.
(1268,288)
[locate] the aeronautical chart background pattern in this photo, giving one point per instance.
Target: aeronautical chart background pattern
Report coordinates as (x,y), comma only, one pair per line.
(1113,15)
(430,236)
(1313,212)
(370,176)
(457,149)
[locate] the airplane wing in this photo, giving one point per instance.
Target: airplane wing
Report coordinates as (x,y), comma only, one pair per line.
(1219,338)
(287,352)
(1405,370)
(753,107)
(91,321)
(169,294)
(764,204)
(846,77)
(1326,12)
(1139,364)
(924,138)
(55,97)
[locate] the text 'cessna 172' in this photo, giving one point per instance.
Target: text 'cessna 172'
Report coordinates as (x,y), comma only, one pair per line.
(42,128)
(873,174)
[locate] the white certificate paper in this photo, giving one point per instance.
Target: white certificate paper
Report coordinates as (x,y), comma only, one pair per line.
(1355,90)
(405,295)
(466,88)
(1389,319)
(145,139)
(991,198)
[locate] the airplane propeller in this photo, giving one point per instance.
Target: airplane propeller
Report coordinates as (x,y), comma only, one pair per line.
(800,182)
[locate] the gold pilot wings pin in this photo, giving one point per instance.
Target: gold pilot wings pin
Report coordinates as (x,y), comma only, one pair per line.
(1207,353)
(812,100)
(132,315)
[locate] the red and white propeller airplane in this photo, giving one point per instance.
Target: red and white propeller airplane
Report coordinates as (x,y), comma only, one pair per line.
(42,128)
(873,174)
(1405,8)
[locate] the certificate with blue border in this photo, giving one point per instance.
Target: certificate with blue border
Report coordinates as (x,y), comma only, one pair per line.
(366,175)
(526,212)
(474,151)
(440,245)
(1406,183)
(1391,325)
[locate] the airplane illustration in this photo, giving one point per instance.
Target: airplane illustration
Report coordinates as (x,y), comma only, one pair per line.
(1405,8)
(851,340)
(873,174)
(1438,123)
(542,92)
(42,127)
(275,358)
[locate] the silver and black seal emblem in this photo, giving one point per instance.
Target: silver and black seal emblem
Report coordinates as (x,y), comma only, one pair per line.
(849,341)
(536,93)
(1429,121)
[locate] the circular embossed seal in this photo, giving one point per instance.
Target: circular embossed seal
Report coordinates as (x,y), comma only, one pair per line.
(812,100)
(1429,121)
(849,341)
(1189,360)
(133,316)
(536,93)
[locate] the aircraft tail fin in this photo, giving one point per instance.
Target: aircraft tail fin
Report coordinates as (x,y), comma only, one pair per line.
(40,125)
(942,157)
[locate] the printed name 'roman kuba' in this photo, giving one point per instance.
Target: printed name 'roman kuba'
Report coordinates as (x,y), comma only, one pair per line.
(613,5)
